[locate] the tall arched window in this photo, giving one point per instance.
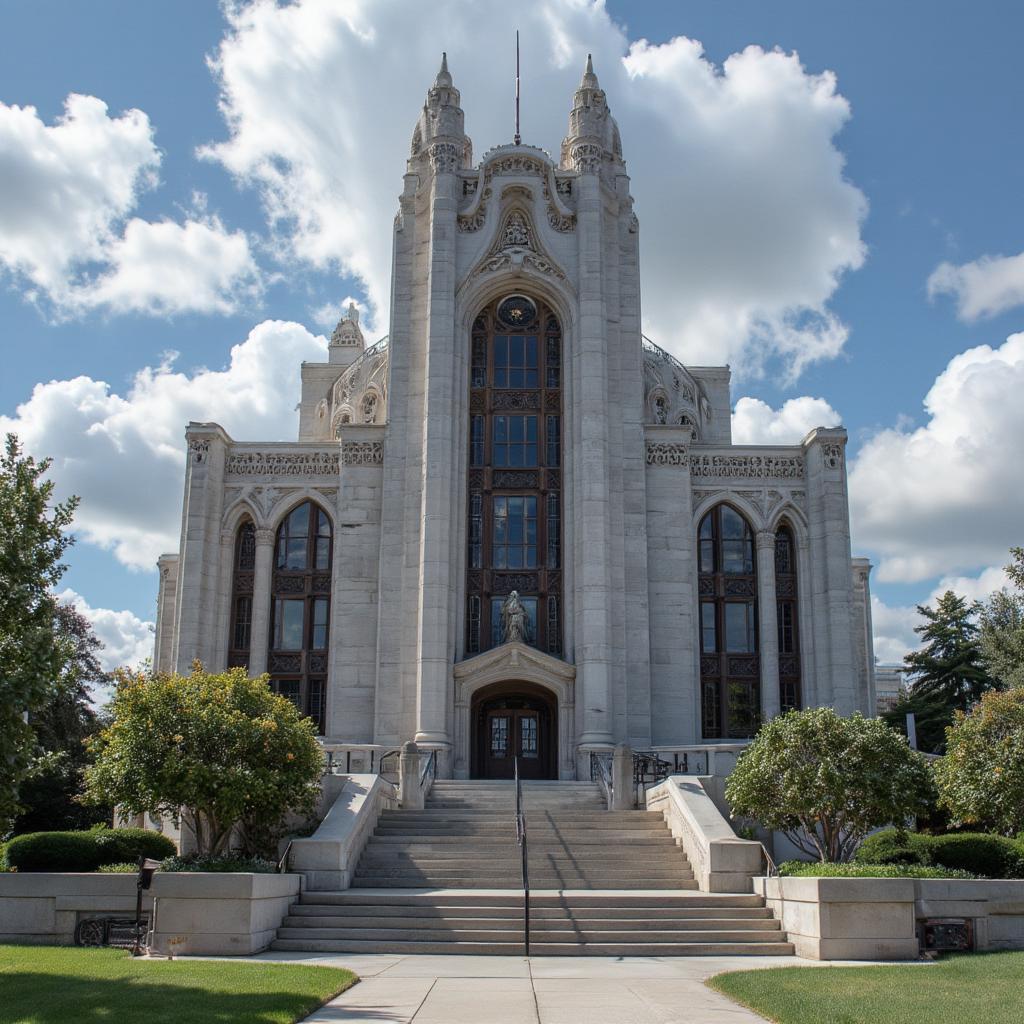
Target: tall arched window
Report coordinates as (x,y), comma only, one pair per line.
(244,567)
(300,610)
(789,634)
(515,455)
(729,664)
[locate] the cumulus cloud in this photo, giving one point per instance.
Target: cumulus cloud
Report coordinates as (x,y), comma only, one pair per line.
(127,639)
(68,190)
(747,221)
(756,422)
(945,498)
(983,288)
(123,454)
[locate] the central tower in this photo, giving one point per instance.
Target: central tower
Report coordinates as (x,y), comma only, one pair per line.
(514,455)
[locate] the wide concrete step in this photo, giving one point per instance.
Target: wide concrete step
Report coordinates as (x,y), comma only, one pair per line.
(417,898)
(379,913)
(484,882)
(582,926)
(590,855)
(537,949)
(496,844)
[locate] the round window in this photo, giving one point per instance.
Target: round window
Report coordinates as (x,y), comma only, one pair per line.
(516,312)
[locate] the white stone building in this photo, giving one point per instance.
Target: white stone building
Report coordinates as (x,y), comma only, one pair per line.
(517,432)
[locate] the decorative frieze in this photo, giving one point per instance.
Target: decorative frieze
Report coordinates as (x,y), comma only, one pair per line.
(199,449)
(362,453)
(833,454)
(666,453)
(315,462)
(747,467)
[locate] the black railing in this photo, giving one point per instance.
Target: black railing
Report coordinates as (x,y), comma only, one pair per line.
(429,770)
(524,857)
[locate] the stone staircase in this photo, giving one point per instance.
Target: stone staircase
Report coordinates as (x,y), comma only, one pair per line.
(447,879)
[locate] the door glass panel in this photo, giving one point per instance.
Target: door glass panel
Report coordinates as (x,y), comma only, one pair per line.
(499,736)
(528,736)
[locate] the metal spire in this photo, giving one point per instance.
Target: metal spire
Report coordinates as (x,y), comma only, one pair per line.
(517,139)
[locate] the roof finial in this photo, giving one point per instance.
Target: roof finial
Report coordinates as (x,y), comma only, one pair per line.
(444,78)
(589,78)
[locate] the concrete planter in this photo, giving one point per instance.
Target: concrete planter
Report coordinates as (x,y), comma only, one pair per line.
(190,912)
(879,918)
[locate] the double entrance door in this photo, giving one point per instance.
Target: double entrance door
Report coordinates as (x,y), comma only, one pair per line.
(511,727)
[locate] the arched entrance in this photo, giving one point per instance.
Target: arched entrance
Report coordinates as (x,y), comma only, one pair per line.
(514,719)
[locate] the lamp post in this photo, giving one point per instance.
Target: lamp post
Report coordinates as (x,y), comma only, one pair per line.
(147,868)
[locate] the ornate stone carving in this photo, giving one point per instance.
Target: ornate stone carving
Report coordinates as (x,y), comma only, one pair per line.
(362,453)
(563,186)
(515,478)
(475,221)
(506,583)
(445,157)
(199,449)
(264,538)
(315,462)
(752,467)
(516,399)
(585,157)
(516,245)
(666,453)
(833,454)
(469,186)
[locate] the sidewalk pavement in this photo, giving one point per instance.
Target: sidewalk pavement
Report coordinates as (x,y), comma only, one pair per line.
(425,989)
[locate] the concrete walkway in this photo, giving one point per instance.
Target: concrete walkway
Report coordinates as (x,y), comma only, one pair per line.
(542,990)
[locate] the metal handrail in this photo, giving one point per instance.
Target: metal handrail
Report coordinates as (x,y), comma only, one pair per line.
(429,769)
(773,868)
(524,855)
(601,772)
(282,864)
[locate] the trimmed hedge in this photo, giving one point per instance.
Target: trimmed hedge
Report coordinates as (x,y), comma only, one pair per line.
(85,851)
(981,854)
(801,869)
(228,863)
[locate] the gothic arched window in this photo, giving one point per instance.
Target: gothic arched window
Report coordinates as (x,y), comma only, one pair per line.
(515,454)
(300,610)
(729,664)
(243,574)
(786,603)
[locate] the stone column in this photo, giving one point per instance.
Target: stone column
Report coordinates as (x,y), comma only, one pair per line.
(259,632)
(768,626)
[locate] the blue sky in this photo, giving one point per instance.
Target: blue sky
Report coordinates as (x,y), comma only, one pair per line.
(932,157)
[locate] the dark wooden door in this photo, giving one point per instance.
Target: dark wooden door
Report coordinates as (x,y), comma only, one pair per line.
(508,733)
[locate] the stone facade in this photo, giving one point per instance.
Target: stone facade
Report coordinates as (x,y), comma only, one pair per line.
(646,453)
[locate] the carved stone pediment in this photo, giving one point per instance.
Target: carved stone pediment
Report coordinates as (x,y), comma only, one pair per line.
(514,662)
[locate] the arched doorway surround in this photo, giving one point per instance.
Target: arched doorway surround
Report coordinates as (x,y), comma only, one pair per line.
(512,720)
(522,675)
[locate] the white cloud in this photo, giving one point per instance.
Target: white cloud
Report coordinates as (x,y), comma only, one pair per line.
(747,222)
(127,639)
(68,190)
(756,422)
(985,287)
(124,454)
(328,315)
(946,497)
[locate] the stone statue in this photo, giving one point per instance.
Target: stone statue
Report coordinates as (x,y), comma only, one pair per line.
(515,623)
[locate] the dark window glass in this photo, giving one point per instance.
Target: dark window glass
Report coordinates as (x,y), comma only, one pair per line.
(528,737)
(476,444)
(320,605)
(290,688)
(787,612)
(499,736)
(515,532)
(473,624)
(739,627)
(288,622)
(292,539)
(554,530)
(787,627)
(515,361)
(476,530)
(737,544)
(323,541)
(708,628)
(515,441)
(554,625)
(783,553)
(554,354)
(554,441)
(243,622)
(744,712)
(243,578)
(245,549)
(707,544)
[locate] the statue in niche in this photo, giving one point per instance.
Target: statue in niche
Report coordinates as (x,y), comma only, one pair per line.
(515,622)
(369,407)
(660,410)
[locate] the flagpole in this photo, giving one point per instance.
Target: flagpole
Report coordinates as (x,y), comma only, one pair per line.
(517,136)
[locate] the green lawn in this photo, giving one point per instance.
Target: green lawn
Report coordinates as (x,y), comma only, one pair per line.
(61,984)
(980,988)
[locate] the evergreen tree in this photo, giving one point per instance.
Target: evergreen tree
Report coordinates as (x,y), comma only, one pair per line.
(50,796)
(933,714)
(949,665)
(1002,627)
(32,543)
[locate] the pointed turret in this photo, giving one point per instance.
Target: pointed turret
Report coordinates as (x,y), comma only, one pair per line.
(440,131)
(593,134)
(348,333)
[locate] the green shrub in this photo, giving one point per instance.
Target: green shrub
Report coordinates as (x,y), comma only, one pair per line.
(982,854)
(85,851)
(129,844)
(801,869)
(228,863)
(124,868)
(54,851)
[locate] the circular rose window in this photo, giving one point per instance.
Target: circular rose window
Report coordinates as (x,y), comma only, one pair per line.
(516,312)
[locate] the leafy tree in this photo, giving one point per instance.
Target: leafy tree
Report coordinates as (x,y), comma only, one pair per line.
(932,716)
(32,543)
(827,781)
(219,749)
(51,794)
(981,778)
(1002,627)
(949,664)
